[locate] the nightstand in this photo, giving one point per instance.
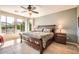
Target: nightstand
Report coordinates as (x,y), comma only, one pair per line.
(60,38)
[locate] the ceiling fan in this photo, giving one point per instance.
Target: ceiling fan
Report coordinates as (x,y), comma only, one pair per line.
(30,9)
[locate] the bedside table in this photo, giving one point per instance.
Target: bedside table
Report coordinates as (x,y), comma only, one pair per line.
(60,38)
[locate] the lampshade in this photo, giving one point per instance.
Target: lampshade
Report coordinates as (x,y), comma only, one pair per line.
(60,26)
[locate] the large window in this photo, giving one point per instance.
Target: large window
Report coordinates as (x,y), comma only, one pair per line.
(9,24)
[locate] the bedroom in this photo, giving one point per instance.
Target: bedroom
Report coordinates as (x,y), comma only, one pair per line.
(65,17)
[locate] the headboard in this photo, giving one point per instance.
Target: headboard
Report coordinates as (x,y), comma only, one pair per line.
(52,27)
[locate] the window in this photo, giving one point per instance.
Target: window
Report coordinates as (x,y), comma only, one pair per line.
(30,24)
(10,25)
(3,24)
(20,25)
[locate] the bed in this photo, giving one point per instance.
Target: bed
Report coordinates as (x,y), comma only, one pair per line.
(39,39)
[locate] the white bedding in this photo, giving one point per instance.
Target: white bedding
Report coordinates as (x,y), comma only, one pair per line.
(44,35)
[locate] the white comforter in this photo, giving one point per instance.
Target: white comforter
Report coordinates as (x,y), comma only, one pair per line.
(44,35)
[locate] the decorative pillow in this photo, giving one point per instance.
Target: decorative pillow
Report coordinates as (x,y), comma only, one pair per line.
(46,30)
(38,30)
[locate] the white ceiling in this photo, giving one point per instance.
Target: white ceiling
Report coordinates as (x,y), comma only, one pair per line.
(42,9)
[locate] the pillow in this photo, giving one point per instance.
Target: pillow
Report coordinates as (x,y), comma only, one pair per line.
(38,30)
(46,30)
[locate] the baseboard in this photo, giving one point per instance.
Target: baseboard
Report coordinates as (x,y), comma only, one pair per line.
(75,44)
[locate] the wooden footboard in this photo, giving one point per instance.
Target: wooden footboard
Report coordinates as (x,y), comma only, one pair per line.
(33,42)
(36,43)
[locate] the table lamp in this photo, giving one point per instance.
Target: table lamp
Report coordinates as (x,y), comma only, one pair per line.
(60,27)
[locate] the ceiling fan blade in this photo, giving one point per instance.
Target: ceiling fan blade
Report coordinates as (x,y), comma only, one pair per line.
(33,8)
(35,12)
(23,11)
(23,7)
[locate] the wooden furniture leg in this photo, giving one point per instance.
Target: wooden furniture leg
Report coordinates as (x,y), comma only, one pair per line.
(41,47)
(21,38)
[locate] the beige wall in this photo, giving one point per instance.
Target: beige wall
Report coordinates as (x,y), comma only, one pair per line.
(67,18)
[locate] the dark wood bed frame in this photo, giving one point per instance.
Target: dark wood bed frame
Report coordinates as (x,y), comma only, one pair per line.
(39,46)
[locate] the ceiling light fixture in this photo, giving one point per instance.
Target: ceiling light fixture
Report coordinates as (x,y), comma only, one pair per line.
(30,13)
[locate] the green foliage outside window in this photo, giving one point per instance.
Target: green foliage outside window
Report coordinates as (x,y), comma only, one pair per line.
(21,26)
(30,26)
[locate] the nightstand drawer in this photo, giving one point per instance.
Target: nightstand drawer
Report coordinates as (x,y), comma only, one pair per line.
(61,35)
(60,38)
(60,41)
